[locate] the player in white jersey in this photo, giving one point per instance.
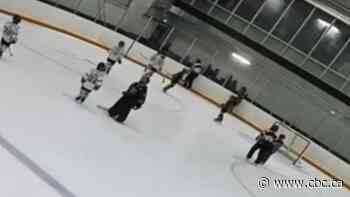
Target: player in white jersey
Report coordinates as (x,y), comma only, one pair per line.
(91,81)
(155,64)
(10,34)
(116,54)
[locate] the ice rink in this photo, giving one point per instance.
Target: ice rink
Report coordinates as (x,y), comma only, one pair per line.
(51,146)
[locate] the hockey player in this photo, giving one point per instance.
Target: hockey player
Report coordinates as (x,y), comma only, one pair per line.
(277,144)
(175,79)
(91,81)
(155,64)
(116,54)
(133,98)
(10,34)
(264,144)
(231,103)
(196,69)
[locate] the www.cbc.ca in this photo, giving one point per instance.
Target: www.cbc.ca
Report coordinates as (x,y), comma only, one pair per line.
(312,183)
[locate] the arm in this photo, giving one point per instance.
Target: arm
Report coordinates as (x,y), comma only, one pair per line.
(142,99)
(84,78)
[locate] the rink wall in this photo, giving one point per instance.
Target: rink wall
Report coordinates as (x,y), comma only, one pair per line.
(88,31)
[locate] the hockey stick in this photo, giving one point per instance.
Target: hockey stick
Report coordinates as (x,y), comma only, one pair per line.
(144,56)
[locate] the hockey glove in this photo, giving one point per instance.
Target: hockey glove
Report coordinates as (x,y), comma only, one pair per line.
(97,87)
(119,61)
(138,106)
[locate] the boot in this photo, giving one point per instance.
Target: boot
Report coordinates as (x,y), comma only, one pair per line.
(219,118)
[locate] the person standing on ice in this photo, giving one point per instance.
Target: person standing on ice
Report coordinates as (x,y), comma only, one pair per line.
(133,98)
(175,79)
(10,34)
(195,71)
(155,64)
(231,103)
(277,144)
(264,144)
(115,54)
(91,81)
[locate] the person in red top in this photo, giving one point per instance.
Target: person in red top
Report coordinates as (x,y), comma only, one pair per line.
(231,103)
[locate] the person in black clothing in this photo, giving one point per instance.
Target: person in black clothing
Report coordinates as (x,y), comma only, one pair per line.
(133,98)
(175,79)
(264,144)
(231,103)
(277,144)
(196,69)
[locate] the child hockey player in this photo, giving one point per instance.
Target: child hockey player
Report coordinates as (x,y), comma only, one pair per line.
(116,54)
(196,69)
(277,144)
(155,64)
(133,98)
(175,79)
(264,144)
(231,103)
(10,34)
(91,81)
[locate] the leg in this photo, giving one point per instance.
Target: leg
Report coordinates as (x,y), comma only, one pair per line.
(123,115)
(190,83)
(220,117)
(108,69)
(187,81)
(255,147)
(266,157)
(3,46)
(261,156)
(110,64)
(83,94)
(118,106)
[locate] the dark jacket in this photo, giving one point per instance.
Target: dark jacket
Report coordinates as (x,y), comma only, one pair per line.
(178,76)
(277,145)
(136,94)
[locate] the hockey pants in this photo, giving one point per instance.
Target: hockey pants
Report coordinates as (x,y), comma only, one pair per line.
(256,146)
(189,80)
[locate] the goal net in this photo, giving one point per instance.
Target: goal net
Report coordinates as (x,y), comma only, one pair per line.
(295,144)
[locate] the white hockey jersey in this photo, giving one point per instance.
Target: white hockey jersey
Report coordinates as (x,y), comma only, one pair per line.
(93,79)
(10,32)
(157,62)
(116,53)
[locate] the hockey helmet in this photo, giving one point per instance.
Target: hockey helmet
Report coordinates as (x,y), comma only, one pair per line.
(101,67)
(282,136)
(274,128)
(16,19)
(121,44)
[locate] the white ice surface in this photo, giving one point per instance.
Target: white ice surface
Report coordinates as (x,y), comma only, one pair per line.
(169,148)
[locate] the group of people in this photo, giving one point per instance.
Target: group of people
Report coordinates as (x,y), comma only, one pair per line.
(267,143)
(134,97)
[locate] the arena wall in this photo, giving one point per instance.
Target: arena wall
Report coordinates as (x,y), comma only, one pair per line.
(88,31)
